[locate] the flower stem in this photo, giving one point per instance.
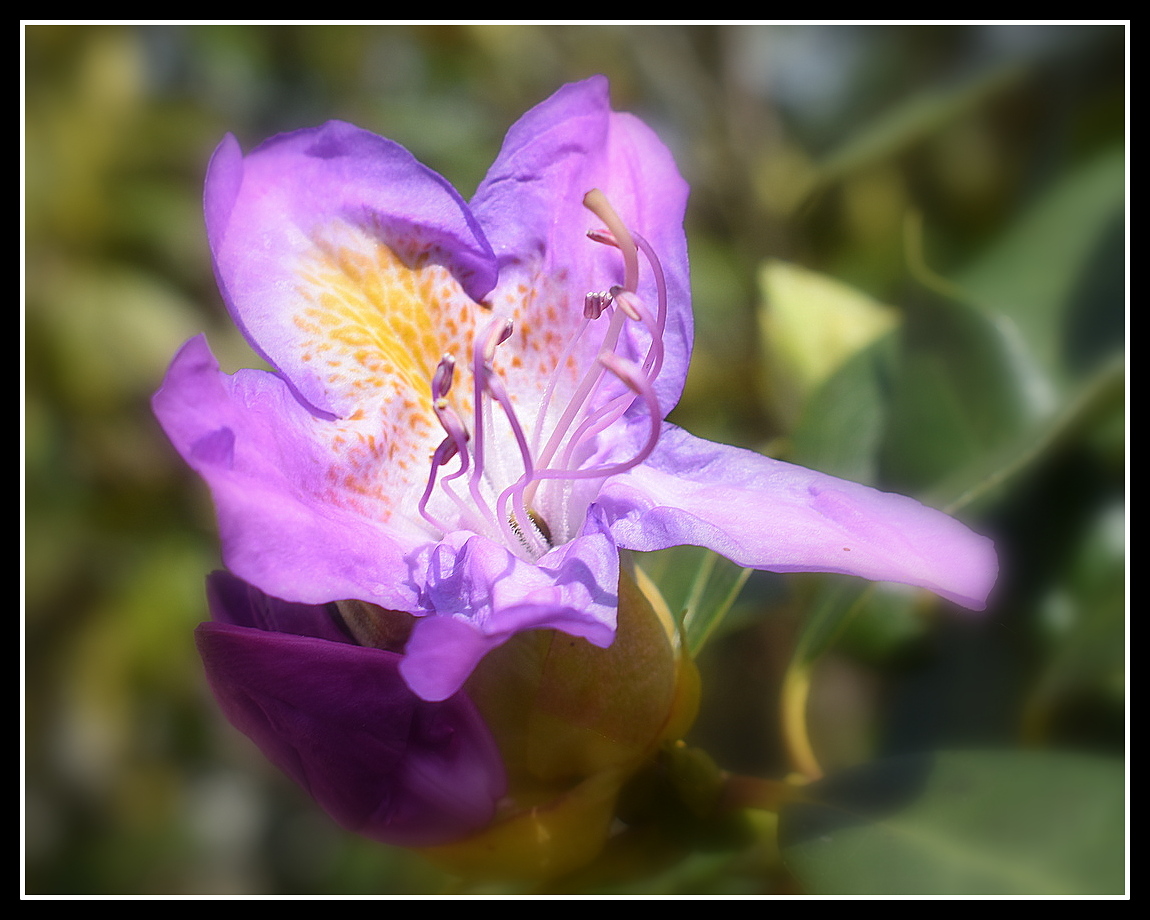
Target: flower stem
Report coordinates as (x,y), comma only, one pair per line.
(796,691)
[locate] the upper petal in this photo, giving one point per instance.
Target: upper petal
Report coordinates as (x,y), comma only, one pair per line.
(767,514)
(531,208)
(336,252)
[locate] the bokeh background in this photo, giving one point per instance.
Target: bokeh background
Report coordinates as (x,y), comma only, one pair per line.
(908,261)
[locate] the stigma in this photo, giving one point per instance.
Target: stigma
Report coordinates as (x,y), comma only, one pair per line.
(528,486)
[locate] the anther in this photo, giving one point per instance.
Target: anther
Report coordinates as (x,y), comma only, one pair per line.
(443,377)
(595,302)
(497,334)
(627,301)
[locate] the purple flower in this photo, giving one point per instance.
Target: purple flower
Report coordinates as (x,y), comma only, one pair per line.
(465,421)
(338,719)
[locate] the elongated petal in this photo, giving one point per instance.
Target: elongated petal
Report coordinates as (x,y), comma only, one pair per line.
(483,594)
(531,208)
(315,234)
(766,514)
(293,521)
(340,721)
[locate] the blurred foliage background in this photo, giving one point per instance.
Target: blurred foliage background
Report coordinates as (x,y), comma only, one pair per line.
(908,258)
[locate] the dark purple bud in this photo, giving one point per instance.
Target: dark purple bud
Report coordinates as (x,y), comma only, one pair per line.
(339,719)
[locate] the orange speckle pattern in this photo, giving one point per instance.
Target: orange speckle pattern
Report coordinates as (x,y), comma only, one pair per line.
(374,320)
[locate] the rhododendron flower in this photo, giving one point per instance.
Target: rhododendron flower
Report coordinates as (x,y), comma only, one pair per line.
(465,420)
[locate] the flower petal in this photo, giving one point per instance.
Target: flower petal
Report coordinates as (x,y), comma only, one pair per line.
(340,721)
(767,514)
(327,244)
(531,208)
(482,595)
(293,522)
(237,603)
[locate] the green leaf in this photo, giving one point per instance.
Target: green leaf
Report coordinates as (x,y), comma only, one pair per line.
(700,588)
(1083,622)
(956,396)
(810,325)
(911,120)
(835,601)
(1039,271)
(962,823)
(842,426)
(1028,329)
(1096,403)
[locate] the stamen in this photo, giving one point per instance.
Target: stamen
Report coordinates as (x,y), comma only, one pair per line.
(626,301)
(660,282)
(459,437)
(488,383)
(582,393)
(590,410)
(443,377)
(631,375)
(626,298)
(499,394)
(594,303)
(615,408)
(639,384)
(488,380)
(497,332)
(441,382)
(653,362)
(454,443)
(443,453)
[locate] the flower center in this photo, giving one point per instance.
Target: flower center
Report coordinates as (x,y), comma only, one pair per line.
(536,509)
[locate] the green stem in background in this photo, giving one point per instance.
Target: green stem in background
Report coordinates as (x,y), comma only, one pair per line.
(741,792)
(917,265)
(796,691)
(833,611)
(697,626)
(1104,387)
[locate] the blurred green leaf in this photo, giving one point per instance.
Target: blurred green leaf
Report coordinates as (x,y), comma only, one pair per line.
(843,424)
(962,823)
(913,119)
(955,398)
(809,326)
(1033,276)
(989,364)
(889,619)
(1083,624)
(699,587)
(1097,403)
(834,602)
